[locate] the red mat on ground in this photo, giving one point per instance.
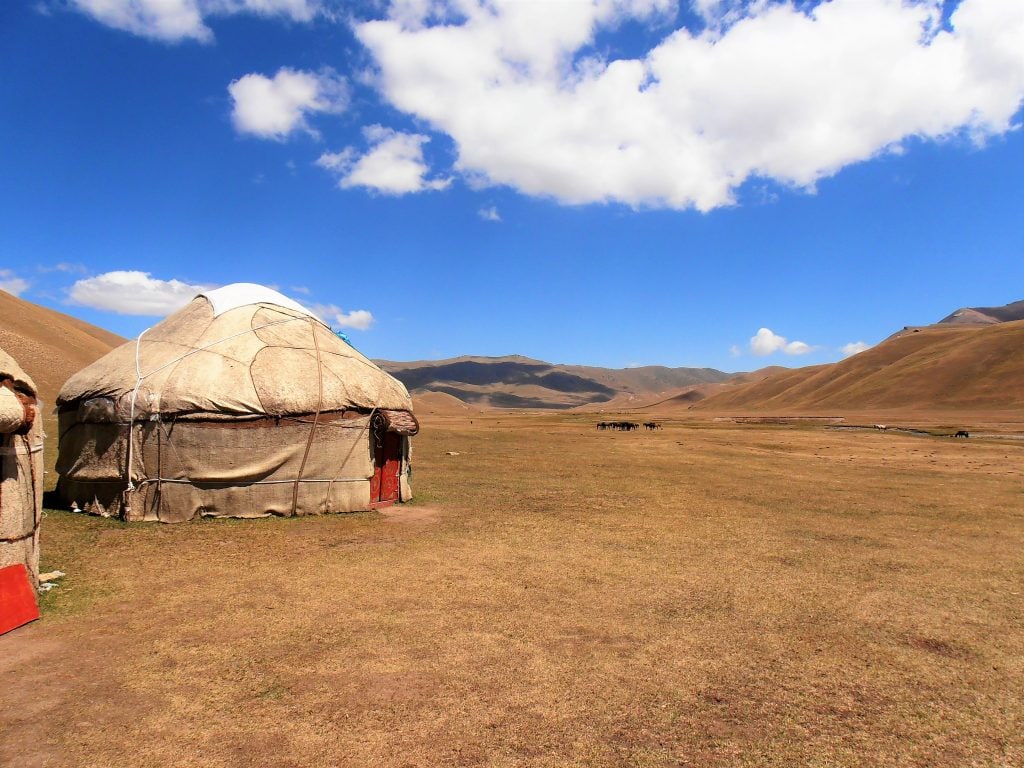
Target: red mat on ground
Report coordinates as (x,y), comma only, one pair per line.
(17,598)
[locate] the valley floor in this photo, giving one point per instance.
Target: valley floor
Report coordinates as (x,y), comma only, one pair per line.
(707,594)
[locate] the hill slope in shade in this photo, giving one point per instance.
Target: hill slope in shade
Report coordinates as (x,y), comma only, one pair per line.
(50,345)
(521,382)
(942,367)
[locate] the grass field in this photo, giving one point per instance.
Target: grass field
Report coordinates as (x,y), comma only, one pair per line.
(709,594)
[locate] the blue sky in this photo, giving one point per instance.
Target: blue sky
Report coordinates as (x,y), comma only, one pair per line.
(613,183)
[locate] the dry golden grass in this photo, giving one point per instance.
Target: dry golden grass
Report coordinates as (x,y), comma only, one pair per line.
(704,595)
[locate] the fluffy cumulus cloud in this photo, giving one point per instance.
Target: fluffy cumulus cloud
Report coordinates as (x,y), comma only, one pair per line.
(177,20)
(359,319)
(394,164)
(787,91)
(275,107)
(129,292)
(766,342)
(854,347)
(11,283)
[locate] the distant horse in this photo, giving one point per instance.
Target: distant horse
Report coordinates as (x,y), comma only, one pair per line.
(881,427)
(962,433)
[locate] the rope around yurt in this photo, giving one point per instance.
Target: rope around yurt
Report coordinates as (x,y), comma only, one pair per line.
(141,377)
(316,416)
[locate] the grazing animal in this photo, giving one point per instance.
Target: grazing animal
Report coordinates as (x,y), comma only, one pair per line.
(881,427)
(962,433)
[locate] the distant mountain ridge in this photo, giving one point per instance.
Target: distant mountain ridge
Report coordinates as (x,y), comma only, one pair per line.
(514,381)
(1007,313)
(971,359)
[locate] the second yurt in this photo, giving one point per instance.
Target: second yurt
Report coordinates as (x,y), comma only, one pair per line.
(242,404)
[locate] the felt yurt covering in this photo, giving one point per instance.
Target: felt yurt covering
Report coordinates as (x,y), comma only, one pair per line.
(241,404)
(21,468)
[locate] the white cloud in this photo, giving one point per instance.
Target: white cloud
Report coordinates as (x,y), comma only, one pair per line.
(275,107)
(11,283)
(787,91)
(720,13)
(489,213)
(735,351)
(62,266)
(394,165)
(167,20)
(854,347)
(173,21)
(130,292)
(360,319)
(340,162)
(797,348)
(766,342)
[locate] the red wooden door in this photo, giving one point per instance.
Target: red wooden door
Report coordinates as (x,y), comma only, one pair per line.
(387,463)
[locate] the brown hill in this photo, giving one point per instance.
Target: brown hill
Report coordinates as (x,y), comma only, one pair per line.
(50,345)
(520,382)
(942,367)
(680,398)
(627,401)
(986,315)
(439,404)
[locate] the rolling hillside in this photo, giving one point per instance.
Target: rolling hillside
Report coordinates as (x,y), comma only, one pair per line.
(50,345)
(942,367)
(521,382)
(972,359)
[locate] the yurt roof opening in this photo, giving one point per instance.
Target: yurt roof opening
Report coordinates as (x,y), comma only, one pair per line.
(241,404)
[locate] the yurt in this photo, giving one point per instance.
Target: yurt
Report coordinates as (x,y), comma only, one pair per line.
(21,469)
(242,404)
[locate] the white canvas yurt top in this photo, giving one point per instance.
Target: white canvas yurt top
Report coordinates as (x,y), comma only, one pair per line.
(243,349)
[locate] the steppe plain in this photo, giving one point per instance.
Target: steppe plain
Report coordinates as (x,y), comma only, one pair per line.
(708,594)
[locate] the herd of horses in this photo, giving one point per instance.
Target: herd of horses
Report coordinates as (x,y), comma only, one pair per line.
(627,426)
(960,432)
